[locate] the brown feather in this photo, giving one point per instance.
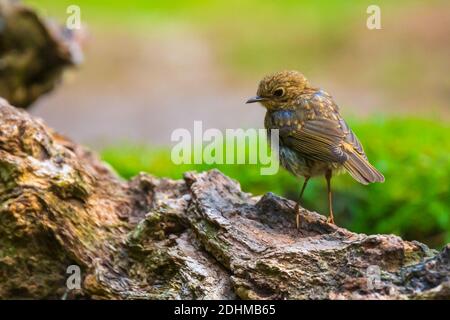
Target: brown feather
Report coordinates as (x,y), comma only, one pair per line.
(361,170)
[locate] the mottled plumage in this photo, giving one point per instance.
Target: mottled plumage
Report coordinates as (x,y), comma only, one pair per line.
(314,138)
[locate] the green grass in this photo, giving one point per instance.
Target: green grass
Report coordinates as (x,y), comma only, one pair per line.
(414,202)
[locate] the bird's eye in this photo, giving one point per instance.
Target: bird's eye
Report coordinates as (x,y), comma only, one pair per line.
(278,92)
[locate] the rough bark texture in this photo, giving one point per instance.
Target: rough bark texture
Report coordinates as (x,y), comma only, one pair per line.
(33,53)
(196,238)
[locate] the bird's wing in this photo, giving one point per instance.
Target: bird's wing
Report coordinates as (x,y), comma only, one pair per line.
(318,139)
(319,133)
(323,135)
(351,138)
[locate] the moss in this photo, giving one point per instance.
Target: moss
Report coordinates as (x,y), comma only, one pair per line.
(74,187)
(210,235)
(416,255)
(8,174)
(267,269)
(243,293)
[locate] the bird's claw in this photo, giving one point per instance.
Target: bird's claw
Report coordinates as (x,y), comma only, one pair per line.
(330,220)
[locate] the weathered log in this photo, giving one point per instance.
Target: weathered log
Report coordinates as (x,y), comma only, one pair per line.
(33,53)
(200,237)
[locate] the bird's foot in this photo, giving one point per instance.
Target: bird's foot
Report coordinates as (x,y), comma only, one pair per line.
(330,219)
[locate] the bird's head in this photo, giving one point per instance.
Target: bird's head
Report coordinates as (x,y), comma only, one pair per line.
(280,90)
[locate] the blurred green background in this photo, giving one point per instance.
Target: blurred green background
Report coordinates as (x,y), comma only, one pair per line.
(154,66)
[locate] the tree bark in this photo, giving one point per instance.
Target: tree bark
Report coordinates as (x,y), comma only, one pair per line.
(33,53)
(196,238)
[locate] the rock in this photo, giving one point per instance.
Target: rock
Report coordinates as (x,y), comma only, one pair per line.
(33,53)
(196,238)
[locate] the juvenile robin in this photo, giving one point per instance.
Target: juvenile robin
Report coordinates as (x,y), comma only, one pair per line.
(314,138)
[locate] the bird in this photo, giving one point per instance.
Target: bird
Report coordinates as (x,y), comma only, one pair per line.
(314,139)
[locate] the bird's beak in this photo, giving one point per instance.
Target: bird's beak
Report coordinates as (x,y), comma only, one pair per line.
(255,99)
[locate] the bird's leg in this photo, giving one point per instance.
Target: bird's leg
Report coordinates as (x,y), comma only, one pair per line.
(297,206)
(330,199)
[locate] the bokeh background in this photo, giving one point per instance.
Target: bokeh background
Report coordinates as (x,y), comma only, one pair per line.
(152,66)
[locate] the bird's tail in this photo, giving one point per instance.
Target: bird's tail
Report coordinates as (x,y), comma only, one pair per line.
(361,170)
